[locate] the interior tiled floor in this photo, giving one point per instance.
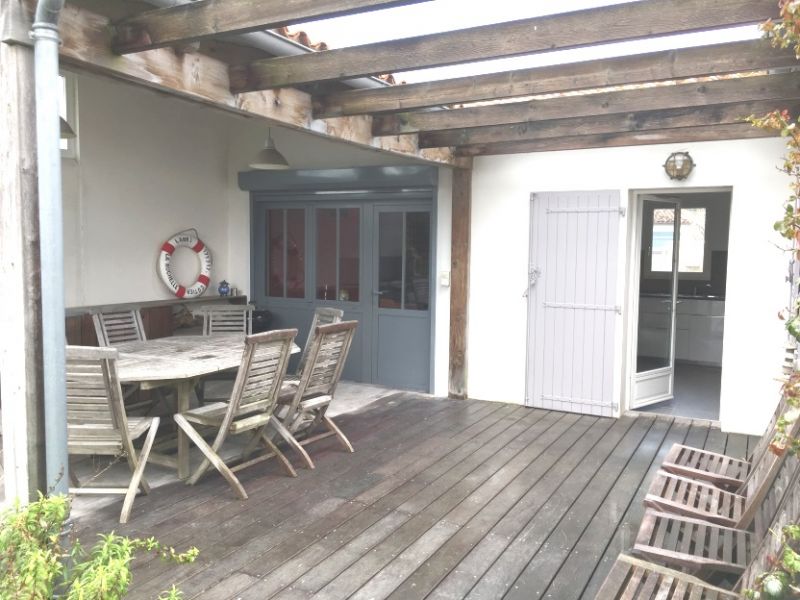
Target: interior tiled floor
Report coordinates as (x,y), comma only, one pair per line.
(697,390)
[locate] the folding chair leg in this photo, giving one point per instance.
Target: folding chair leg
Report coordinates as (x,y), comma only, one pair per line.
(286,435)
(338,433)
(137,478)
(211,457)
(281,456)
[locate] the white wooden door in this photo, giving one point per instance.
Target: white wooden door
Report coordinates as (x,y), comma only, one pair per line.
(573,309)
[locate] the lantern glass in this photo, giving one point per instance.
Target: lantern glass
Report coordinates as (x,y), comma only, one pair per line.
(679,165)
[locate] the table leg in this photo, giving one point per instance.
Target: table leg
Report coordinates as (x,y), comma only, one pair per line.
(184,390)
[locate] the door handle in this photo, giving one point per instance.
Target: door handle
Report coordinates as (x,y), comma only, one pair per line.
(378,292)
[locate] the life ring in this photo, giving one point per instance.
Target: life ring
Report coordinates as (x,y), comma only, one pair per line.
(185,239)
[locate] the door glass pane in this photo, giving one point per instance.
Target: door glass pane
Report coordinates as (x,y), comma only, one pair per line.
(418,254)
(390,259)
(348,254)
(662,240)
(691,257)
(275,253)
(295,253)
(654,348)
(326,254)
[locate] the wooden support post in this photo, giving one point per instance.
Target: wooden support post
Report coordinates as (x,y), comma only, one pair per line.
(21,375)
(459,281)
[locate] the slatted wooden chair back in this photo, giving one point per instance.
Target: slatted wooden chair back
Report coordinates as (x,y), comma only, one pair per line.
(326,359)
(764,482)
(322,316)
(118,327)
(94,402)
(258,381)
(231,318)
(786,513)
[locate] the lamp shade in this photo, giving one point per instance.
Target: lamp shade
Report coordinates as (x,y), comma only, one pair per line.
(268,158)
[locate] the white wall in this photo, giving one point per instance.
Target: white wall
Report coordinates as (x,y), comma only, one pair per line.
(756,290)
(148,167)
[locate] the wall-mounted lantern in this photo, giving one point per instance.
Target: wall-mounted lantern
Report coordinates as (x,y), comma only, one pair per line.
(679,165)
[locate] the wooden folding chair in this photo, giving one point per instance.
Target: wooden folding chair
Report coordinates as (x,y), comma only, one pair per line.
(730,472)
(308,398)
(221,319)
(249,410)
(228,318)
(117,327)
(634,579)
(97,423)
(322,316)
(702,500)
(698,545)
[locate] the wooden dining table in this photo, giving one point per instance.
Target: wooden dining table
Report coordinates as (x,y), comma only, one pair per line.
(179,362)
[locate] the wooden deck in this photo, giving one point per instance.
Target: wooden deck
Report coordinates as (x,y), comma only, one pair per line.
(442,499)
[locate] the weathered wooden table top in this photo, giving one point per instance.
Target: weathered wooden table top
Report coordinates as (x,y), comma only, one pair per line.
(180,357)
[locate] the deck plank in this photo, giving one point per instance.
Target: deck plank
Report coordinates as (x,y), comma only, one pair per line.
(563,456)
(442,499)
(417,514)
(260,533)
(623,537)
(234,552)
(504,551)
(555,547)
(582,536)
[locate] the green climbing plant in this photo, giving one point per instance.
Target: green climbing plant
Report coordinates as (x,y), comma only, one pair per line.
(782,580)
(35,565)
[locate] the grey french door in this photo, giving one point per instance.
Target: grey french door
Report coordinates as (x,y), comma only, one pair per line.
(402,303)
(373,260)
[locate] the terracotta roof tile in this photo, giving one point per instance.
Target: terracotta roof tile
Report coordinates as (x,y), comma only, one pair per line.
(301,37)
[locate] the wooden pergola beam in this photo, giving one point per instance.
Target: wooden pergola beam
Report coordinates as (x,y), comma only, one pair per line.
(671,118)
(742,89)
(460,250)
(716,59)
(733,131)
(629,21)
(200,20)
(204,79)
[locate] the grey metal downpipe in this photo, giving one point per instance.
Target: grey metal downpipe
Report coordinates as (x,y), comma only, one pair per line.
(51,230)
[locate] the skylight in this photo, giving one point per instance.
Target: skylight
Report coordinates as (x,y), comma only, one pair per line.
(446,15)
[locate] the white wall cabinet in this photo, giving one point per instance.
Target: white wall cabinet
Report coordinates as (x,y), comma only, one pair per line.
(698,331)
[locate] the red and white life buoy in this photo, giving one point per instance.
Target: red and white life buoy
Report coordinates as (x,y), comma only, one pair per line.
(185,239)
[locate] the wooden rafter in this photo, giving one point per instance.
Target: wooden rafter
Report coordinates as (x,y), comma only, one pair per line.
(717,59)
(628,21)
(637,138)
(744,89)
(199,20)
(203,79)
(671,118)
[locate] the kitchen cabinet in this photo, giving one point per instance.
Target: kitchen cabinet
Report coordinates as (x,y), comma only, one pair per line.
(699,328)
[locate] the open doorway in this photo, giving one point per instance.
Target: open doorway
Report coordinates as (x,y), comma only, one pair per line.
(682,250)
